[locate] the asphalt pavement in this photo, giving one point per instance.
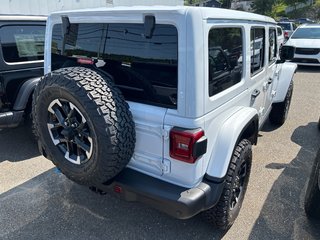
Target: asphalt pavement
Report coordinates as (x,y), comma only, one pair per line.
(38,202)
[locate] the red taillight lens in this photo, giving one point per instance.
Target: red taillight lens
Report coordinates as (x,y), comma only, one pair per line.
(187,145)
(117,189)
(85,61)
(286,34)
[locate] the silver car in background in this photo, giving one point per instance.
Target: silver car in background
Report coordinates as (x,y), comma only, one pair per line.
(288,28)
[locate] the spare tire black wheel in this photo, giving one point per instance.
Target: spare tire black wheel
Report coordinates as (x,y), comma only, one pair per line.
(83,124)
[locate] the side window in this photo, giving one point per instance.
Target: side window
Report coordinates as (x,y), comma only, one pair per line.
(257,49)
(225,58)
(279,31)
(22,43)
(272,45)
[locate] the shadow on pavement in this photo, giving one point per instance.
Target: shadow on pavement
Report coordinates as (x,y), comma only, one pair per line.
(282,215)
(17,144)
(51,207)
(269,127)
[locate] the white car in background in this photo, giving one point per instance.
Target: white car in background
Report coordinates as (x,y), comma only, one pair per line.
(306,40)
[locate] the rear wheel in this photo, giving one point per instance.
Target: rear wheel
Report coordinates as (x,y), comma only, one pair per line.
(228,207)
(83,124)
(279,112)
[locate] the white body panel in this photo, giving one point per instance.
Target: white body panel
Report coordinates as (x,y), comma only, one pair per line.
(227,138)
(222,116)
(285,76)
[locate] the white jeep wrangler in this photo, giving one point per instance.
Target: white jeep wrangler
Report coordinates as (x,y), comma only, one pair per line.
(161,104)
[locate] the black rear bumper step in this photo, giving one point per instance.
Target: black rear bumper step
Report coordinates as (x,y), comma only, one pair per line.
(174,200)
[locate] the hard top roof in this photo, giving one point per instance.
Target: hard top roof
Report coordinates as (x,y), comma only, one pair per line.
(206,12)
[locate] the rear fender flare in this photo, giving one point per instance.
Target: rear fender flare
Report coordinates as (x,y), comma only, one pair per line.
(230,134)
(24,93)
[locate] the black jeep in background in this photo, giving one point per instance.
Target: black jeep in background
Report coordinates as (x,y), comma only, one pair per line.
(21,65)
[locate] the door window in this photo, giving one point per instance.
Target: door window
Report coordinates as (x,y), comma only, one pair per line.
(225,58)
(22,43)
(257,49)
(272,45)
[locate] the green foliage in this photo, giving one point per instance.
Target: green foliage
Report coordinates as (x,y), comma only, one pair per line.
(263,7)
(226,3)
(191,2)
(293,3)
(278,9)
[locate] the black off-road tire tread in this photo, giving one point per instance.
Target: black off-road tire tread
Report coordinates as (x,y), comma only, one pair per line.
(278,115)
(108,110)
(312,197)
(218,215)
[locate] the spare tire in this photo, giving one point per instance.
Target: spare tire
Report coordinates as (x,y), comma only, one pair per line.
(83,124)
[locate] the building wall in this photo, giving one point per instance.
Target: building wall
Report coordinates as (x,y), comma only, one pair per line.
(44,7)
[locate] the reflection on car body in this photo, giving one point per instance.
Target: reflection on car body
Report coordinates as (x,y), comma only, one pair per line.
(225,68)
(256,56)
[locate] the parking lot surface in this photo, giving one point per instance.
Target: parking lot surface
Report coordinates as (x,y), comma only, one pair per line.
(38,202)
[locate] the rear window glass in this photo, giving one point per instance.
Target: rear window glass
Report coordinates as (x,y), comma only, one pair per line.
(145,69)
(285,26)
(22,43)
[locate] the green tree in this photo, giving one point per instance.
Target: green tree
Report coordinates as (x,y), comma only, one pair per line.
(191,2)
(263,6)
(226,3)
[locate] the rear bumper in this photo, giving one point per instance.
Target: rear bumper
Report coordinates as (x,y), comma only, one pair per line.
(174,200)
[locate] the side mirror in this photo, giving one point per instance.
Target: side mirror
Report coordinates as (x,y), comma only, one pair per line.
(287,53)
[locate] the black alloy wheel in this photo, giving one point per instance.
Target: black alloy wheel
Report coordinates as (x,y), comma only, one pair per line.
(69,131)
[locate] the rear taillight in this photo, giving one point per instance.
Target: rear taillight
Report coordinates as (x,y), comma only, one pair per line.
(187,145)
(88,61)
(286,34)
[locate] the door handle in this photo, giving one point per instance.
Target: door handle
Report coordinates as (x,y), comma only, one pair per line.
(255,93)
(270,80)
